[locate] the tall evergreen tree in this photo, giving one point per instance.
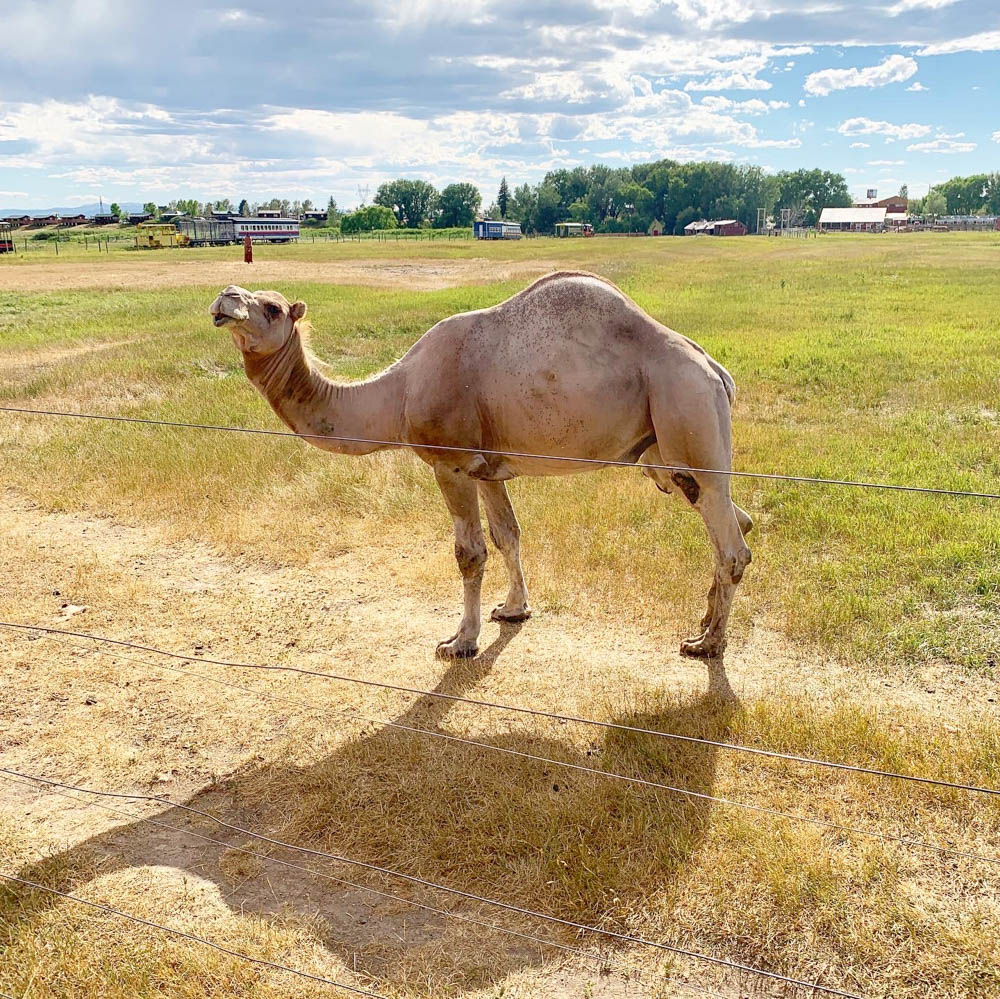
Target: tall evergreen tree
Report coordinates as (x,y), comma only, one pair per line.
(244,208)
(503,197)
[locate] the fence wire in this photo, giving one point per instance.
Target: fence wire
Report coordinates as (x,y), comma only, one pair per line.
(449,448)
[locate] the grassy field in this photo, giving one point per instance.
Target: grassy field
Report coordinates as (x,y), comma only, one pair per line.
(855,357)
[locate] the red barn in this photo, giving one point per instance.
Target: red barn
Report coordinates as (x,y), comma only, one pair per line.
(727,227)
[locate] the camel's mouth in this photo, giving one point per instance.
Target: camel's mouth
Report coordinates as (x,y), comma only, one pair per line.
(220,319)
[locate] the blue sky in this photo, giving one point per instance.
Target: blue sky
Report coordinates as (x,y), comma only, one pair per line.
(139,100)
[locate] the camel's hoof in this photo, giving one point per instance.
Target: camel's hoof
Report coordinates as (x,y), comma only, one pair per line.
(455,648)
(511,615)
(701,648)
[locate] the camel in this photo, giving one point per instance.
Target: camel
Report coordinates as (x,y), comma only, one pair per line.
(569,368)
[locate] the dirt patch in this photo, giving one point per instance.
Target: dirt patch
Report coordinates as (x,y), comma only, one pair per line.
(145,273)
(129,721)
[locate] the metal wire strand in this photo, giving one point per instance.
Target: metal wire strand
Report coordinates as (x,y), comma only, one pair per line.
(598,462)
(192,937)
(508,906)
(639,781)
(51,787)
(536,712)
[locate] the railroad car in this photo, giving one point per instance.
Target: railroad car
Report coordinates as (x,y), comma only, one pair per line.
(6,237)
(491,229)
(263,229)
(205,232)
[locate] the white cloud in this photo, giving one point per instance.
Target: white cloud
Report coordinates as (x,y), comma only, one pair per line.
(13,194)
(729,81)
(860,145)
(754,106)
(894,69)
(883,163)
(916,87)
(865,126)
(942,146)
(996,136)
(904,6)
(985,41)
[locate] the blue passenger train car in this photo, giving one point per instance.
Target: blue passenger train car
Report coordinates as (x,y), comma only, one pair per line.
(491,229)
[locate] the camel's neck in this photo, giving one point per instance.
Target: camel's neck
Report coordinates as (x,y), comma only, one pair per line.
(310,403)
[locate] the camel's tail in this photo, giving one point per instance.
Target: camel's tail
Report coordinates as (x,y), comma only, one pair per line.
(727,378)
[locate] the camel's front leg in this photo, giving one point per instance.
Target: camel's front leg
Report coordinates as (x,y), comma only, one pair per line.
(506,534)
(470,551)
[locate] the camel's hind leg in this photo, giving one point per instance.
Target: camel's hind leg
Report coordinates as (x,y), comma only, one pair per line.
(701,434)
(506,534)
(470,552)
(732,556)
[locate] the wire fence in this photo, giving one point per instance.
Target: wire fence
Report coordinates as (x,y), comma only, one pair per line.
(816,821)
(601,960)
(606,934)
(450,448)
(514,708)
(183,934)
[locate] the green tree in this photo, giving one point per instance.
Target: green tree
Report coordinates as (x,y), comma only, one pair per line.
(548,208)
(522,206)
(503,198)
(904,191)
(457,205)
(368,218)
(935,203)
(810,191)
(413,202)
(332,213)
(993,193)
(964,195)
(683,217)
(244,209)
(149,208)
(116,210)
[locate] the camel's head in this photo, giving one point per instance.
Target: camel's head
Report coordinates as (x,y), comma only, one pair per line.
(260,321)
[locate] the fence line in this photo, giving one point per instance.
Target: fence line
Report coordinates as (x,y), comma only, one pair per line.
(450,448)
(600,959)
(484,900)
(578,767)
(520,709)
(191,936)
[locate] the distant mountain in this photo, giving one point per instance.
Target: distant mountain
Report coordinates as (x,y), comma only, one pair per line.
(91,209)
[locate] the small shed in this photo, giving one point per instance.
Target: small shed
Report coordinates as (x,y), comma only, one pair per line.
(696,228)
(655,228)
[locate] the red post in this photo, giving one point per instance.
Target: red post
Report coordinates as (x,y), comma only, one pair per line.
(247,250)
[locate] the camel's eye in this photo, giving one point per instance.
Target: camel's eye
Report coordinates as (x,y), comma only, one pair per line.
(272,311)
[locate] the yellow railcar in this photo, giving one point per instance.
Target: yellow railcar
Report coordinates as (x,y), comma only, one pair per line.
(158,236)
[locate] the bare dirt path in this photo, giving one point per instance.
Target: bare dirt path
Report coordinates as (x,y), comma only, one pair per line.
(144,272)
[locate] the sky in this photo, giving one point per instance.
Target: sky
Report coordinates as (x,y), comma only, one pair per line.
(141,100)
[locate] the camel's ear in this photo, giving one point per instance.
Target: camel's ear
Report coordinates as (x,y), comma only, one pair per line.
(298,310)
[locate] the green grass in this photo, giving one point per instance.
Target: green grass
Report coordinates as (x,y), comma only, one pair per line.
(859,358)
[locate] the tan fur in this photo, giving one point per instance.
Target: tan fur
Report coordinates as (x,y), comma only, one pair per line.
(570,367)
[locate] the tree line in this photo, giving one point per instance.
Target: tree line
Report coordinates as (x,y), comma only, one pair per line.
(619,199)
(626,199)
(975,195)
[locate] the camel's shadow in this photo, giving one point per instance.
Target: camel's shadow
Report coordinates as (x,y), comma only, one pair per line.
(578,846)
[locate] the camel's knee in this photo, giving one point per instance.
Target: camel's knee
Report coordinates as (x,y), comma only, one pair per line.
(471,558)
(744,520)
(736,562)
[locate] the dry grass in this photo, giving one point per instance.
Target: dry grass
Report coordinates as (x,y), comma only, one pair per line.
(864,634)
